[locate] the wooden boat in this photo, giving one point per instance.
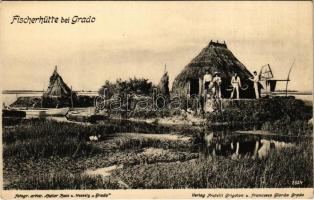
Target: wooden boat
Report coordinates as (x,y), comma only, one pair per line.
(13,113)
(91,118)
(47,112)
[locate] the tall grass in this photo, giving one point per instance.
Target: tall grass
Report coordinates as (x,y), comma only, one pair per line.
(136,142)
(287,127)
(41,128)
(46,147)
(278,170)
(35,129)
(63,180)
(44,138)
(37,139)
(263,110)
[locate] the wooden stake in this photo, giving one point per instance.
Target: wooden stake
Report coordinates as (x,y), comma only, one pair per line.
(71,98)
(288,78)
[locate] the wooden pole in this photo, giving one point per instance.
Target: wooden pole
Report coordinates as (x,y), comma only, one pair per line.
(71,98)
(42,96)
(288,78)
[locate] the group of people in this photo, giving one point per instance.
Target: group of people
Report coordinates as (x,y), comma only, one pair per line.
(212,85)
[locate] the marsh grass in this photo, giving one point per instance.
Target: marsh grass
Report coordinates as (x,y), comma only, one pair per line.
(63,180)
(139,141)
(127,143)
(45,147)
(39,139)
(34,150)
(278,170)
(44,138)
(265,113)
(287,127)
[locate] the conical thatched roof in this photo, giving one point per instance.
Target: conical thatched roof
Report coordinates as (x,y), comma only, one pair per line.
(216,57)
(57,87)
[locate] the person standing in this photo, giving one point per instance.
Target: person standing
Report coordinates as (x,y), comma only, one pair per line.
(207,80)
(217,83)
(236,84)
(255,79)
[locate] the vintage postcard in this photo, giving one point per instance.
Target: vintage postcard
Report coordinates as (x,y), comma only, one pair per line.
(144,99)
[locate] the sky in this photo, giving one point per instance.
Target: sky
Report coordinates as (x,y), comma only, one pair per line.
(138,38)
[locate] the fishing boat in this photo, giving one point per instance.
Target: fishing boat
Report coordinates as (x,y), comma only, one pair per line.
(46,112)
(91,118)
(85,115)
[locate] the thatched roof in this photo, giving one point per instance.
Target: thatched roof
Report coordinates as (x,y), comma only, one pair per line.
(215,57)
(57,87)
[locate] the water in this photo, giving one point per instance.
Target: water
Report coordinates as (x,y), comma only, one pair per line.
(236,145)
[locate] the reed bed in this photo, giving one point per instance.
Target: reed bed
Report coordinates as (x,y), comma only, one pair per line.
(44,138)
(287,127)
(63,180)
(133,141)
(38,154)
(279,170)
(262,110)
(40,139)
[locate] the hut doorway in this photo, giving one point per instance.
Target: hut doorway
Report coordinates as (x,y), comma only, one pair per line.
(194,87)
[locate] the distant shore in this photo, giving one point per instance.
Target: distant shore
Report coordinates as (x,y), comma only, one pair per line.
(39,91)
(95,91)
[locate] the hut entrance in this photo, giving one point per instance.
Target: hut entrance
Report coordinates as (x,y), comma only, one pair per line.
(194,87)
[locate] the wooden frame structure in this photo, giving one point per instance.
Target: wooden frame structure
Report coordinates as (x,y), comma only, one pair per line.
(266,74)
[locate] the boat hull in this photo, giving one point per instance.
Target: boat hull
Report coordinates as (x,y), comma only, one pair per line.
(85,118)
(47,112)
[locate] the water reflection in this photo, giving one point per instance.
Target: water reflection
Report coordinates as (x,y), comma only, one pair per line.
(242,145)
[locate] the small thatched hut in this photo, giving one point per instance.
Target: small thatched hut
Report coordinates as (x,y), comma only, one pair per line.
(57,87)
(216,57)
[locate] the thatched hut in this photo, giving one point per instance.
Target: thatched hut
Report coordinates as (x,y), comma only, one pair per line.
(57,87)
(216,57)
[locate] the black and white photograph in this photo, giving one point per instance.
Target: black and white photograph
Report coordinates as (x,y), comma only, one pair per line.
(158,95)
